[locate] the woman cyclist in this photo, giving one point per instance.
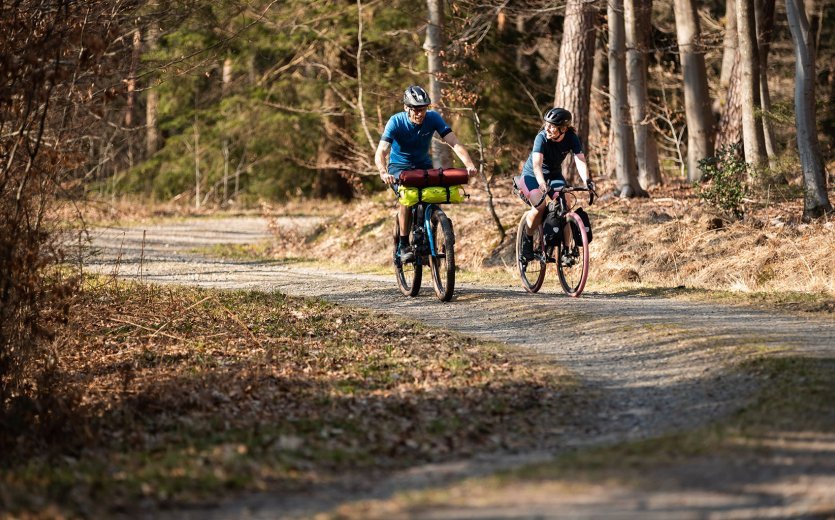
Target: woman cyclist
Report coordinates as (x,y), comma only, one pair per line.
(543,171)
(407,136)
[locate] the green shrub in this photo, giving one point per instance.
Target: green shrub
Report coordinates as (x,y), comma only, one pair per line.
(723,181)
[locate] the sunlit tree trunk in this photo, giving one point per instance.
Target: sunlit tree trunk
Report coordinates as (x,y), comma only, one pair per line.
(729,131)
(729,57)
(623,141)
(637,19)
(574,74)
(752,131)
(696,94)
(815,199)
(434,45)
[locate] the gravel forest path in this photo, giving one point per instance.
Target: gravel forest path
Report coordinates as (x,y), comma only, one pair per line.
(654,364)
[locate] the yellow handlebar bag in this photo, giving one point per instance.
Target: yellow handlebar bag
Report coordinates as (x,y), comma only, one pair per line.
(434,194)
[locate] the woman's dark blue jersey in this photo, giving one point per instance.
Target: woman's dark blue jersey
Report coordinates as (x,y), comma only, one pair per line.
(410,142)
(554,152)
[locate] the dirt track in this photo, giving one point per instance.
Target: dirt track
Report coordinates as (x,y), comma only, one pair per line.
(658,365)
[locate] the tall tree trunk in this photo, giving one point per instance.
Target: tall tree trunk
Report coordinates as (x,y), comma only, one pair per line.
(434,45)
(332,154)
(752,130)
(696,94)
(131,82)
(152,140)
(730,124)
(765,28)
(815,199)
(573,88)
(637,19)
(729,57)
(623,141)
(600,114)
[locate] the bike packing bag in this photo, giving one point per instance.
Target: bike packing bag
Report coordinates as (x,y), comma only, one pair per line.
(586,222)
(434,177)
(435,195)
(551,235)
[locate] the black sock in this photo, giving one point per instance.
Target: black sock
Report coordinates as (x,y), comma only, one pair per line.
(404,241)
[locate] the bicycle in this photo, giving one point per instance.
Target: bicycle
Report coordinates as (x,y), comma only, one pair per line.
(433,241)
(568,237)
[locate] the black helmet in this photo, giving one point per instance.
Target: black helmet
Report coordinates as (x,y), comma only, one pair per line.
(415,96)
(558,116)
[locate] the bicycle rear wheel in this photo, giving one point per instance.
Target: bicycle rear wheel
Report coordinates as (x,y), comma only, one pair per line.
(573,259)
(531,272)
(443,263)
(408,274)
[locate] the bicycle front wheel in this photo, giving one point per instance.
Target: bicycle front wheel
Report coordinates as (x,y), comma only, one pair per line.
(573,259)
(531,272)
(443,263)
(408,274)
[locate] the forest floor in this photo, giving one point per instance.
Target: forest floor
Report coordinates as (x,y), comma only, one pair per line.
(685,383)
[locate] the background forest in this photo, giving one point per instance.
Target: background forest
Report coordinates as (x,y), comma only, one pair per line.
(213,103)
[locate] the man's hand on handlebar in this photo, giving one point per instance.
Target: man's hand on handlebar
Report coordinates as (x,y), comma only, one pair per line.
(387,178)
(471,172)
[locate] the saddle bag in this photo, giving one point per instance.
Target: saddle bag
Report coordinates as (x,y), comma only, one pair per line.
(409,196)
(434,177)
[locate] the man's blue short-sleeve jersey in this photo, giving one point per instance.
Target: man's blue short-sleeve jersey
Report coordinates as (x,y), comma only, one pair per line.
(410,142)
(554,152)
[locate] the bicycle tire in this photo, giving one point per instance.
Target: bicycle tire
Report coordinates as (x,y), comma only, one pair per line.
(573,257)
(408,275)
(531,273)
(443,264)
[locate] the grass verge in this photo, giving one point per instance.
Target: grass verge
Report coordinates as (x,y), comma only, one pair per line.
(178,395)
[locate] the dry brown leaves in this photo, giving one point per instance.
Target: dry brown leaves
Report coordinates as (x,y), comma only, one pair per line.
(186,392)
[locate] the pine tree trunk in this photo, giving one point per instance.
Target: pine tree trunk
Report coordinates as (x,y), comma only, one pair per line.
(152,140)
(434,45)
(752,131)
(729,58)
(624,143)
(696,94)
(637,19)
(815,199)
(730,124)
(600,114)
(331,155)
(574,75)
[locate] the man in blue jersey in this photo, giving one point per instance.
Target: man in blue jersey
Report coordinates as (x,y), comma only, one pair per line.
(405,144)
(543,169)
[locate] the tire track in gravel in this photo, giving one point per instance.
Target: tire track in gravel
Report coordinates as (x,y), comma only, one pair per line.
(657,365)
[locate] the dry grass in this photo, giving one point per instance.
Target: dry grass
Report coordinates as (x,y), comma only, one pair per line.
(670,240)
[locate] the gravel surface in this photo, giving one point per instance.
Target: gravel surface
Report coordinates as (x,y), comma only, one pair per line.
(655,365)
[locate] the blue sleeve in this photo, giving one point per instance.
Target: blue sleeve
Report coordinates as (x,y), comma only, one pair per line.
(438,124)
(388,132)
(539,143)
